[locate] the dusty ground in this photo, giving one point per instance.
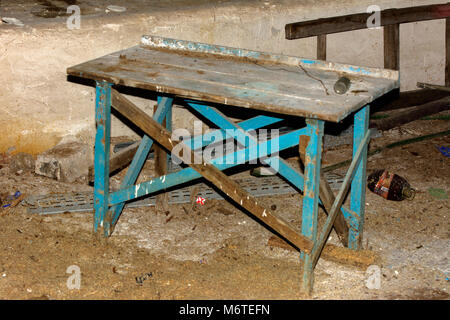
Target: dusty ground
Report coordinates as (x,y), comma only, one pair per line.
(222,253)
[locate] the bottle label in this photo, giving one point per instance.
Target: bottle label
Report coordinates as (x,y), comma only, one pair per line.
(383,184)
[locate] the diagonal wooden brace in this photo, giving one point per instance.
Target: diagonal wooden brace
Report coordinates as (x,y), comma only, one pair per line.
(136,165)
(326,194)
(123,158)
(319,244)
(210,173)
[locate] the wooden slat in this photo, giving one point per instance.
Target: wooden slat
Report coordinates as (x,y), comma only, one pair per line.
(209,172)
(358,258)
(118,161)
(392,47)
(412,114)
(162,200)
(432,86)
(358,21)
(322,47)
(318,246)
(407,99)
(297,86)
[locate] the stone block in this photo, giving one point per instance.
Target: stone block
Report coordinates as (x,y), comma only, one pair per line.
(66,162)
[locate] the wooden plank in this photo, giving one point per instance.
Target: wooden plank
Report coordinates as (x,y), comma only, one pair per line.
(412,114)
(432,86)
(102,150)
(358,163)
(123,158)
(358,188)
(292,85)
(211,173)
(201,51)
(358,258)
(391,47)
(358,21)
(162,200)
(406,99)
(286,141)
(322,47)
(327,197)
(275,64)
(118,161)
(138,162)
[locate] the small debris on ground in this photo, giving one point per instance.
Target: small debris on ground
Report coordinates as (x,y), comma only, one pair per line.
(13,21)
(225,211)
(140,279)
(445,151)
(11,201)
(438,193)
(20,163)
(115,8)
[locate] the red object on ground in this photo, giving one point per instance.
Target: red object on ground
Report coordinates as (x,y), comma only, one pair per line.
(200,200)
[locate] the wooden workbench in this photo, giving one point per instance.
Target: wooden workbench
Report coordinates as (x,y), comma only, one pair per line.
(204,76)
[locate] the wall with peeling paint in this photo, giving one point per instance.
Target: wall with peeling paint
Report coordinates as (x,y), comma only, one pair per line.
(39,106)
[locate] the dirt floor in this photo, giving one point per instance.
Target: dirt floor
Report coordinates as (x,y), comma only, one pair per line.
(221,253)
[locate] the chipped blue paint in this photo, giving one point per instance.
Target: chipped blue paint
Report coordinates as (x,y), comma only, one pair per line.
(276,163)
(286,141)
(359,70)
(326,228)
(310,210)
(156,41)
(358,187)
(309,182)
(350,216)
(306,61)
(102,143)
(251,124)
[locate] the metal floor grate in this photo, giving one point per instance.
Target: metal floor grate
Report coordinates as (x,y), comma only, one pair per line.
(81,202)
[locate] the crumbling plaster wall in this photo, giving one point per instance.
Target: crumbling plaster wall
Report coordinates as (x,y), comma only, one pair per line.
(38,105)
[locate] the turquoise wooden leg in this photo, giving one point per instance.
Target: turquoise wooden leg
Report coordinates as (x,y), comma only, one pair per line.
(358,187)
(311,195)
(169,126)
(101,154)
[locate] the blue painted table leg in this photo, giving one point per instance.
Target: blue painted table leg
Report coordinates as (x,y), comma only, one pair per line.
(310,209)
(358,187)
(101,155)
(168,125)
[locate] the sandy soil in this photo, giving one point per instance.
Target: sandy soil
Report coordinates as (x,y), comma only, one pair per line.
(219,252)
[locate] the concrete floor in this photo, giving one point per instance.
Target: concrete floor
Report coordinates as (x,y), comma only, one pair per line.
(219,252)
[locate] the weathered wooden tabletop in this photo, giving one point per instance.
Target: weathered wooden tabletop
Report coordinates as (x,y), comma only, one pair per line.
(231,76)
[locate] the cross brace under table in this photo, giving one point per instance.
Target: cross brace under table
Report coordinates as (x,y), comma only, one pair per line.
(108,206)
